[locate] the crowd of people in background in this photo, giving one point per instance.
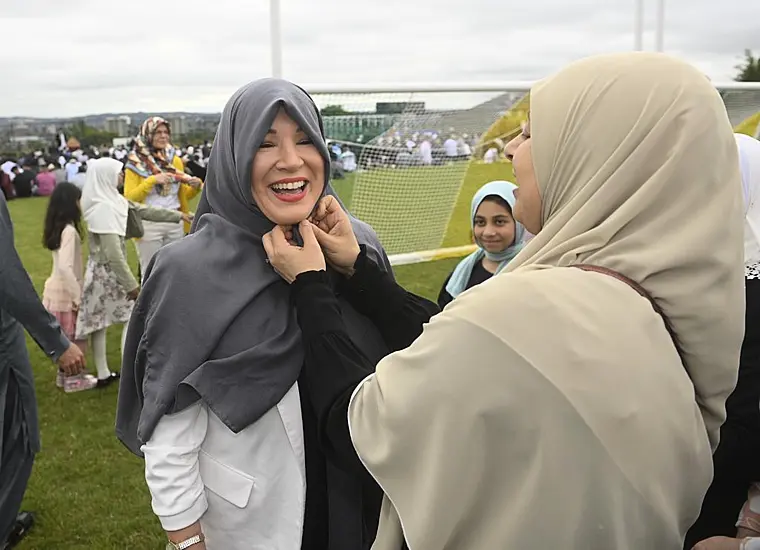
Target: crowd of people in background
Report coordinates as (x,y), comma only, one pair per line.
(36,173)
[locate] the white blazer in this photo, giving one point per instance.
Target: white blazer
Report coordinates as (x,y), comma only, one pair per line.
(248,489)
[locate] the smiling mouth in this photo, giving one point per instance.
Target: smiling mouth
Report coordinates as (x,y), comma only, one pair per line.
(290,190)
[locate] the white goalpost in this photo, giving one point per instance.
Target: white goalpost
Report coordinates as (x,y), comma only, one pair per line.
(409,156)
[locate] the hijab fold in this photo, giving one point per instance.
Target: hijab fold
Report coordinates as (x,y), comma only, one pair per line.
(749,161)
(461,275)
(548,407)
(104,209)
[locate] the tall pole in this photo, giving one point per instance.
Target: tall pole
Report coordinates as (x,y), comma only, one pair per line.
(275,36)
(638,25)
(660,29)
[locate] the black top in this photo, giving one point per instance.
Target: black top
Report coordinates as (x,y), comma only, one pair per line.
(333,367)
(742,405)
(23,183)
(479,274)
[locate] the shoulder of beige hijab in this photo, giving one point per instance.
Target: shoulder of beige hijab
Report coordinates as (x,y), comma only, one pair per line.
(516,372)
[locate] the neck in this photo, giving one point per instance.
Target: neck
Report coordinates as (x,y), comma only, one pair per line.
(490,265)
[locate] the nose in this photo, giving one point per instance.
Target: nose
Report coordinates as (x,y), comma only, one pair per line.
(289,159)
(489,231)
(514,143)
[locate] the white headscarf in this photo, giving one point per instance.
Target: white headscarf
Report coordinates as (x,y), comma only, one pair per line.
(749,162)
(105,209)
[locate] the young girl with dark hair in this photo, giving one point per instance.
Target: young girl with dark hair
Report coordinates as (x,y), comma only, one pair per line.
(63,289)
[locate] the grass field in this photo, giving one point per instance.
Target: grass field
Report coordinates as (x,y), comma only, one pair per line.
(418,208)
(87,489)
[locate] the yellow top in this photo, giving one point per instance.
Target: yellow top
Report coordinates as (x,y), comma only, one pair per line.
(136,188)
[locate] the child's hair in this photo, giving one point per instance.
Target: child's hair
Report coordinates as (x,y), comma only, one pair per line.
(63,209)
(498,200)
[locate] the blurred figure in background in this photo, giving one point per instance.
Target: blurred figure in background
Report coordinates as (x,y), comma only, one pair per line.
(62,294)
(109,289)
(155,176)
(46,180)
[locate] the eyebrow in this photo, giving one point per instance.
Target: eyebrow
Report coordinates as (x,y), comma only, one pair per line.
(274,132)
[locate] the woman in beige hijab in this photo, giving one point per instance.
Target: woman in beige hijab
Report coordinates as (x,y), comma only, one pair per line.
(553,407)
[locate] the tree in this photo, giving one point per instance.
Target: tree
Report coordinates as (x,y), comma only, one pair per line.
(88,136)
(749,70)
(334,110)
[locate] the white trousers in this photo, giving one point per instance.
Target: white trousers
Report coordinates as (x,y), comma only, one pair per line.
(156,235)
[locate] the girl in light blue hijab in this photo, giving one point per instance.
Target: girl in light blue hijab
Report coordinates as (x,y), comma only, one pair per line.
(498,236)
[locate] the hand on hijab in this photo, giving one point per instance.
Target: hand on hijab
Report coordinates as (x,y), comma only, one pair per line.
(333,231)
(289,260)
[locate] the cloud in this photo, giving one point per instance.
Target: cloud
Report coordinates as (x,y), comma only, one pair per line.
(87,56)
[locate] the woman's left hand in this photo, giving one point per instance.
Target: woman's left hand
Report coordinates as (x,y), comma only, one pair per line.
(188,217)
(194,182)
(290,260)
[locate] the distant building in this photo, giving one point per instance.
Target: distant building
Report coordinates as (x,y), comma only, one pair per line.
(179,125)
(24,140)
(357,127)
(119,125)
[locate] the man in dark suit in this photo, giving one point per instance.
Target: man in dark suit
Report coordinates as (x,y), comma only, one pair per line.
(20,308)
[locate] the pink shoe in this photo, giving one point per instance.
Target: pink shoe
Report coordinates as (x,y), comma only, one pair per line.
(79,382)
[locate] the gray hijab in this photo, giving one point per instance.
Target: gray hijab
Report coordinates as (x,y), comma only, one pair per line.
(214,321)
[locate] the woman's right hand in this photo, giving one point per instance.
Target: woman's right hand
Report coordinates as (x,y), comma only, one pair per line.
(332,228)
(163,178)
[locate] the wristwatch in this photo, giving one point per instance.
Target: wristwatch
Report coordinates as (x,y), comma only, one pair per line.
(192,541)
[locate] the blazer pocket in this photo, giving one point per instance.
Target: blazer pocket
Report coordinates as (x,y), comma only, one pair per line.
(232,485)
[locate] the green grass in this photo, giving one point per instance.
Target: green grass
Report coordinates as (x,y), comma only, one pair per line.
(87,489)
(420,208)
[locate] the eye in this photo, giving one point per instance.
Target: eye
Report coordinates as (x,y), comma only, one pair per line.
(266,145)
(305,141)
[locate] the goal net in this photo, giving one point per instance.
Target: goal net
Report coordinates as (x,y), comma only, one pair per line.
(408,159)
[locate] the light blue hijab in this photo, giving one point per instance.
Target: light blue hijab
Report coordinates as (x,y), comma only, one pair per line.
(461,275)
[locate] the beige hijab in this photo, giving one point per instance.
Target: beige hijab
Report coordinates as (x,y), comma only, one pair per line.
(548,407)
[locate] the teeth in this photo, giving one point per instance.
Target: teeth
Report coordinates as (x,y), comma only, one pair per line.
(291,185)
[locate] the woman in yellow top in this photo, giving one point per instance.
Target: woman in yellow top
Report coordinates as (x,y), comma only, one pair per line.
(155,176)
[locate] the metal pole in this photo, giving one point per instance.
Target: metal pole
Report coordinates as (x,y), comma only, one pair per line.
(660,29)
(275,35)
(638,26)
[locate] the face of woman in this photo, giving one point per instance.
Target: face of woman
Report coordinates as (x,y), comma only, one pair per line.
(161,137)
(527,209)
(494,227)
(288,174)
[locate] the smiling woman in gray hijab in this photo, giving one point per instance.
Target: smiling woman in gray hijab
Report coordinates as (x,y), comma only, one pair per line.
(210,383)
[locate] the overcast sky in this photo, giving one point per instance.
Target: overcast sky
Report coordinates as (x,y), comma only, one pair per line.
(75,57)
